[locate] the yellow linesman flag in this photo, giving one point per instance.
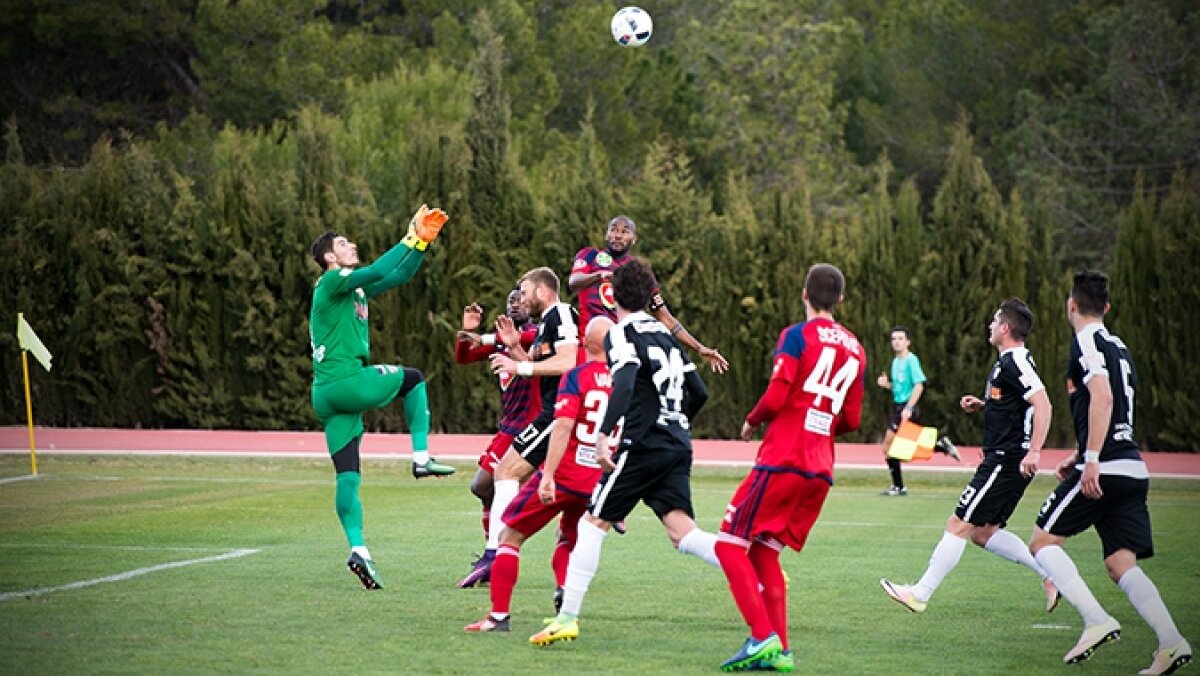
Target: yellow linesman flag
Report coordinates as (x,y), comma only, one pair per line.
(913,442)
(31,343)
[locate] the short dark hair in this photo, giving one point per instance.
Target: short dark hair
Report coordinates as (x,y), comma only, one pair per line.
(633,284)
(1015,313)
(623,220)
(542,276)
(824,284)
(1090,291)
(902,329)
(323,245)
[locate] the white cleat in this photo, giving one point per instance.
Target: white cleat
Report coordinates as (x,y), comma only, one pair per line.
(1167,660)
(1093,637)
(1053,596)
(902,595)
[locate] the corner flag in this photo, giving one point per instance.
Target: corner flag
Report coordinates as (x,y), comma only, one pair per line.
(913,442)
(31,343)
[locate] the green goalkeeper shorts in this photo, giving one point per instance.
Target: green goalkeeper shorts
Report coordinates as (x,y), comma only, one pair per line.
(341,403)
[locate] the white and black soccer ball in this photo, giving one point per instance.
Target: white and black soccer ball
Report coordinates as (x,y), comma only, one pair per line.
(632,27)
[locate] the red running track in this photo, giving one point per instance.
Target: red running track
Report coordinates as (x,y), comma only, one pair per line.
(458,447)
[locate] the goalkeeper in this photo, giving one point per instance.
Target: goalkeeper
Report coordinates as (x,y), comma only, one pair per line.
(345,383)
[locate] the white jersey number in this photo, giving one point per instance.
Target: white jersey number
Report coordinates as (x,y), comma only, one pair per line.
(824,383)
(668,380)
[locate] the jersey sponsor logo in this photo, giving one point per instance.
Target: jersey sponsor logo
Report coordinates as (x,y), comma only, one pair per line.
(319,353)
(818,422)
(506,379)
(603,259)
(994,393)
(585,456)
(360,311)
(345,272)
(606,295)
(579,264)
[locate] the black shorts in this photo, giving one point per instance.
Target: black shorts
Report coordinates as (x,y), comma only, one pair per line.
(1120,516)
(533,442)
(661,479)
(894,422)
(994,491)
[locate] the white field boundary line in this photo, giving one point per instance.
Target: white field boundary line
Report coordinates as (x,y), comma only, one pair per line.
(129,574)
(13,479)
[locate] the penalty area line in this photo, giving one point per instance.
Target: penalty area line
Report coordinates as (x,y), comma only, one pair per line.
(129,574)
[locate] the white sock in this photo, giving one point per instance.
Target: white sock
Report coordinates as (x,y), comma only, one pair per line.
(504,490)
(944,558)
(1145,599)
(1008,546)
(701,544)
(1065,576)
(361,551)
(420,457)
(585,561)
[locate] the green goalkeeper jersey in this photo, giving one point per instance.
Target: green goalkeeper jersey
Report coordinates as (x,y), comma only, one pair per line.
(338,327)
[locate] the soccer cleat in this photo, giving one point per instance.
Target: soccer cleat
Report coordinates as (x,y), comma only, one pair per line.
(481,570)
(431,468)
(902,595)
(781,662)
(1053,596)
(365,570)
(1167,660)
(558,599)
(1093,637)
(488,623)
(895,491)
(946,446)
(556,631)
(753,652)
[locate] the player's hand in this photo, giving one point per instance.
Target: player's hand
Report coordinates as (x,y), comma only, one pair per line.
(1029,464)
(427,223)
(1064,468)
(714,359)
(604,455)
(502,363)
(1089,483)
(748,431)
(905,413)
(970,403)
(546,489)
(882,381)
(470,337)
(507,330)
(472,317)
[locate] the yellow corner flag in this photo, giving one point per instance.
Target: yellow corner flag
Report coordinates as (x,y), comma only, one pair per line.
(913,442)
(31,343)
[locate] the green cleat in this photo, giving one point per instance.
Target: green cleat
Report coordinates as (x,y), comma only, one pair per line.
(781,662)
(753,652)
(365,570)
(431,468)
(555,632)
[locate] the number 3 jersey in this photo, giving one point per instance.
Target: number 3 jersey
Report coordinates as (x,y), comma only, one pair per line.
(814,394)
(655,386)
(582,398)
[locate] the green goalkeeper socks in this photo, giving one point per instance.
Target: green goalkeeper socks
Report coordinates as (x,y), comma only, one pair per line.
(349,507)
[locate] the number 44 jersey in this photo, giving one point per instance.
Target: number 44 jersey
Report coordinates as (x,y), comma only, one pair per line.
(815,393)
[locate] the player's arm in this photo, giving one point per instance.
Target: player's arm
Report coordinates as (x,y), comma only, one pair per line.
(913,398)
(562,361)
(695,392)
(623,380)
(560,435)
(580,278)
(366,276)
(1041,428)
(772,401)
(1099,417)
(423,228)
(711,356)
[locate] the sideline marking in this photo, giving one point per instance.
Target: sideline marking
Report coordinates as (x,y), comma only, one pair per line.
(1057,627)
(11,479)
(28,593)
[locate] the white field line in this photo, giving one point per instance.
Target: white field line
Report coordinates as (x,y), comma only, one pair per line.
(128,548)
(129,574)
(11,479)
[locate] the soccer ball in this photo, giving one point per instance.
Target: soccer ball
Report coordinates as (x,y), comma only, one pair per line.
(631,27)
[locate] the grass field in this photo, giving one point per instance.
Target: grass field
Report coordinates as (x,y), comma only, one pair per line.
(283,602)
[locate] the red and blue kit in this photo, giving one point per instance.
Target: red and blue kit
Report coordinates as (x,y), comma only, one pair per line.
(520,398)
(597,299)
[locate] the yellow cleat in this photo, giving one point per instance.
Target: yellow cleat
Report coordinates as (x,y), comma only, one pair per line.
(555,632)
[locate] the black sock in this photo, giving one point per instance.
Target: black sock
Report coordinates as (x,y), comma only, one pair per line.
(894,468)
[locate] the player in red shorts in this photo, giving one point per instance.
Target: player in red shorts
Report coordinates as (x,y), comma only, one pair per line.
(564,484)
(814,394)
(519,397)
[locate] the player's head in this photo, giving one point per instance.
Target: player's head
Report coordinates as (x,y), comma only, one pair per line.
(900,339)
(823,287)
(593,337)
(633,284)
(515,308)
(539,290)
(1089,294)
(1013,319)
(620,235)
(332,249)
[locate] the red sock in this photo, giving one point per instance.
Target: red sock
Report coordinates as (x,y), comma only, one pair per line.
(487,521)
(505,570)
(560,559)
(774,594)
(743,583)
